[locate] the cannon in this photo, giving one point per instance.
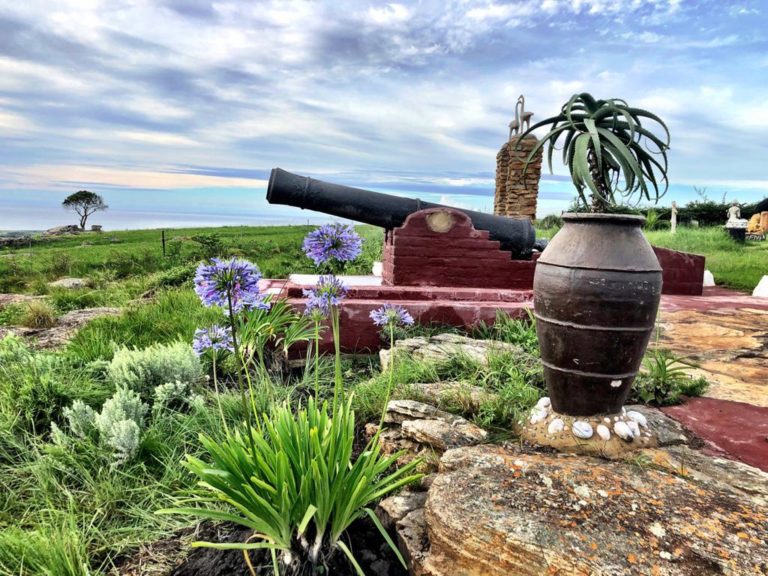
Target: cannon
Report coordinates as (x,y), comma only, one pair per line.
(514,235)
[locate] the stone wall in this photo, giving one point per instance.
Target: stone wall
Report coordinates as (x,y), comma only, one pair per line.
(516,194)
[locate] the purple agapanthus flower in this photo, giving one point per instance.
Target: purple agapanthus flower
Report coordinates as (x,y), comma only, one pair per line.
(391,315)
(328,292)
(229,281)
(215,338)
(333,242)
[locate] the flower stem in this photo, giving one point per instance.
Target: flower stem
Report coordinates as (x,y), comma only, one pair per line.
(243,368)
(337,360)
(391,374)
(317,359)
(218,395)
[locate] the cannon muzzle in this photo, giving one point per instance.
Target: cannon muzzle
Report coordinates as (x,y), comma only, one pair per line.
(515,235)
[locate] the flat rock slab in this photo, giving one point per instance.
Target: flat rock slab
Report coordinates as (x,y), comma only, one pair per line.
(533,514)
(750,482)
(444,347)
(13,299)
(64,330)
(460,395)
(427,425)
(729,344)
(735,429)
(69,283)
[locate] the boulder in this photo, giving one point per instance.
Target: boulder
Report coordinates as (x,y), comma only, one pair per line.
(15,241)
(393,509)
(61,230)
(493,511)
(443,347)
(424,432)
(69,283)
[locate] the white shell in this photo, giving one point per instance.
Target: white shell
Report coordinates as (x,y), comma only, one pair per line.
(638,417)
(544,403)
(623,431)
(603,432)
(634,427)
(557,425)
(537,415)
(582,429)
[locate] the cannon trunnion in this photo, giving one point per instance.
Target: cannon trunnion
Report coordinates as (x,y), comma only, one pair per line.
(515,235)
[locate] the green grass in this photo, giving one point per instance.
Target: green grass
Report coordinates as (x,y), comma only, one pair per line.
(172,315)
(733,265)
(134,254)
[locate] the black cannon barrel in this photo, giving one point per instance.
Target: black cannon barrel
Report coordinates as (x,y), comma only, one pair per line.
(515,235)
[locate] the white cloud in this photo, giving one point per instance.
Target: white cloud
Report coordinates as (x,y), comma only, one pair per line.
(388,15)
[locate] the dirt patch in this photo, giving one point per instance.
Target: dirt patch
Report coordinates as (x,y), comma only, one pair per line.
(173,556)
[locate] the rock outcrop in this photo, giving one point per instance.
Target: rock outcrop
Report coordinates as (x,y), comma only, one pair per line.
(69,283)
(61,230)
(495,511)
(424,431)
(443,347)
(65,328)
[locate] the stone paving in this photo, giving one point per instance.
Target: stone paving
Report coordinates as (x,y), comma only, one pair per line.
(726,334)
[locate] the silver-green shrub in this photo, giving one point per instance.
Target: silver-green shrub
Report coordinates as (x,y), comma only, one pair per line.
(118,426)
(124,438)
(175,396)
(124,405)
(143,370)
(81,419)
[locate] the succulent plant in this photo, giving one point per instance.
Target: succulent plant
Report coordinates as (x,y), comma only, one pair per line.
(608,150)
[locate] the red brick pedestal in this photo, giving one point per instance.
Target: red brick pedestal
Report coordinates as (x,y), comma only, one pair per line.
(441,247)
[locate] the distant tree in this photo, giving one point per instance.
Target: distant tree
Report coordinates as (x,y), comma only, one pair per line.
(84,203)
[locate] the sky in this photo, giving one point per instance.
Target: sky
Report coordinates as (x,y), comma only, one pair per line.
(176,110)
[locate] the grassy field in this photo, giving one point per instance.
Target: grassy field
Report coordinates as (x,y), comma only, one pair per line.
(135,254)
(733,265)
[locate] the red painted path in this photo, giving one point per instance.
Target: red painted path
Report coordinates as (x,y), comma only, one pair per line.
(732,429)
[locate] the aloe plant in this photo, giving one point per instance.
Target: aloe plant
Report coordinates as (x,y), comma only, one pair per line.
(608,150)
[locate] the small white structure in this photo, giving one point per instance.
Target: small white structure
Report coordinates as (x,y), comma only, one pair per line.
(709,279)
(378,269)
(761,290)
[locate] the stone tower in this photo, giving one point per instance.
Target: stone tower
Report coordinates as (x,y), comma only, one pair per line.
(517,183)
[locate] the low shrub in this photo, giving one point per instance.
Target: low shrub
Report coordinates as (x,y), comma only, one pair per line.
(664,381)
(38,314)
(142,370)
(519,331)
(118,427)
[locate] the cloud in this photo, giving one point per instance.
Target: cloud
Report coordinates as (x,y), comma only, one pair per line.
(410,96)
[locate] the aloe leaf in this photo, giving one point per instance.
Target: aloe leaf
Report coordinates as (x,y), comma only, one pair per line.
(590,124)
